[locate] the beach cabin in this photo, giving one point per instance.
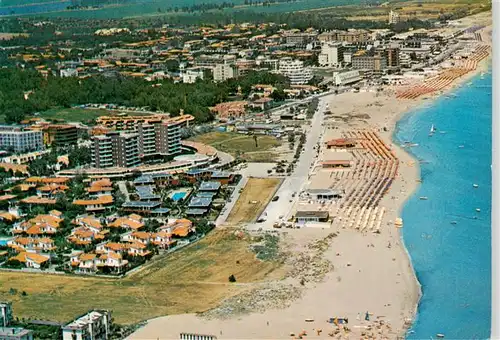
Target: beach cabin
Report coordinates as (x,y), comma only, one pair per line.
(305,216)
(341,143)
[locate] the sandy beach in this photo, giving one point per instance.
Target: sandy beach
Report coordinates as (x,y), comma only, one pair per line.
(367,272)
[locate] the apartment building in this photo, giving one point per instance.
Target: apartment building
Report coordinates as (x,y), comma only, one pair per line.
(300,38)
(368,62)
(393,17)
(58,134)
(332,54)
(225,71)
(95,325)
(295,71)
(191,75)
(350,36)
(130,122)
(392,56)
(147,140)
(17,139)
(115,149)
(168,138)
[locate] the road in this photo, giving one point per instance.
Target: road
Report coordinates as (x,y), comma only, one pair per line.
(297,181)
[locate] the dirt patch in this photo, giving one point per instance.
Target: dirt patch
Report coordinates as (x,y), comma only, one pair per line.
(252,201)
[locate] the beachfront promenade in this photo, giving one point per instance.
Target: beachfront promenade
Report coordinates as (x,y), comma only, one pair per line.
(299,178)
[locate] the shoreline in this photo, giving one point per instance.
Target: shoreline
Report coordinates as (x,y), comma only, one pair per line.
(400,286)
(483,66)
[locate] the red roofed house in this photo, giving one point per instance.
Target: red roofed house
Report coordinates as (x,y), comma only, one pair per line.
(31,260)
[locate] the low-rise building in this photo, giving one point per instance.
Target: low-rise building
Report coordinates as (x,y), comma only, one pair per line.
(130,222)
(99,204)
(94,325)
(303,216)
(15,333)
(346,78)
(31,260)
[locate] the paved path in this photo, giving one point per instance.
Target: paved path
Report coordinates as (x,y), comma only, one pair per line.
(122,185)
(297,181)
(229,205)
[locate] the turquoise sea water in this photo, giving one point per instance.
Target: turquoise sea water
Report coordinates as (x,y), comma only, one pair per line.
(452,261)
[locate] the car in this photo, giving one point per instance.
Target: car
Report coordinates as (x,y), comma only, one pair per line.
(260,220)
(275,198)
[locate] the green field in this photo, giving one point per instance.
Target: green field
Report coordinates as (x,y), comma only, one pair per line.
(242,145)
(190,280)
(73,114)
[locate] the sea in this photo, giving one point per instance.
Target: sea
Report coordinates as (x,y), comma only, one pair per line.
(448,241)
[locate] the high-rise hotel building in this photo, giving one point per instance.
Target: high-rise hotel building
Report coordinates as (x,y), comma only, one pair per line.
(134,140)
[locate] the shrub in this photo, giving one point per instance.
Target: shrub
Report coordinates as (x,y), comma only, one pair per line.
(232,278)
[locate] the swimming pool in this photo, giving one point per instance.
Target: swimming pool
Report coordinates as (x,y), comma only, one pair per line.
(176,196)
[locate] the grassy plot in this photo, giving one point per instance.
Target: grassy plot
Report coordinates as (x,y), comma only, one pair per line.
(248,147)
(73,114)
(193,279)
(252,201)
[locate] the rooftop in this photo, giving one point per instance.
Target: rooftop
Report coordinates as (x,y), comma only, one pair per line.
(196,211)
(139,204)
(209,186)
(310,213)
(85,320)
(8,332)
(200,202)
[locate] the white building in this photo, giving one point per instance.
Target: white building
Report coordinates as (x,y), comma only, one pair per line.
(225,71)
(95,325)
(331,54)
(345,78)
(18,140)
(295,71)
(5,313)
(68,72)
(15,333)
(393,17)
(190,75)
(348,57)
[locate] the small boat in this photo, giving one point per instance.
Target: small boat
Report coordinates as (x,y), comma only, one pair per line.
(423,198)
(478,210)
(461,146)
(440,336)
(475,185)
(433,129)
(453,222)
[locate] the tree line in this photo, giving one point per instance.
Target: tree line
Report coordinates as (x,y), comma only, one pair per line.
(24,92)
